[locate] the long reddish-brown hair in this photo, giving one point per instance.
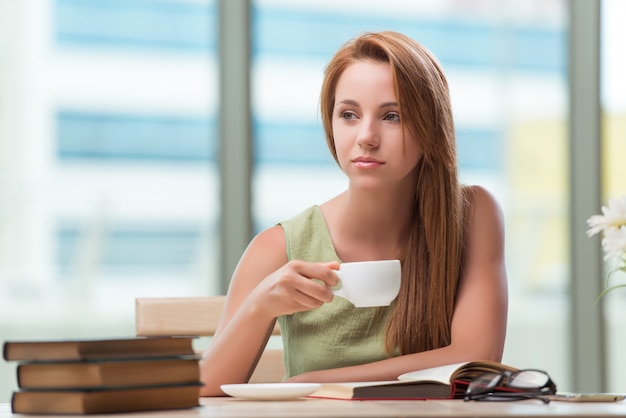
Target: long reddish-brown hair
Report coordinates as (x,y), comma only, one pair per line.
(432,257)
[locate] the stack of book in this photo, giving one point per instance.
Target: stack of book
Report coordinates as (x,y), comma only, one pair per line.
(104,376)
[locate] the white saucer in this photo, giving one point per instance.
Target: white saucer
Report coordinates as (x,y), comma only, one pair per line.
(270,391)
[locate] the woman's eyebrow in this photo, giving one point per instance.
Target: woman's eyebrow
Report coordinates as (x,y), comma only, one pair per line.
(389,104)
(355,103)
(348,102)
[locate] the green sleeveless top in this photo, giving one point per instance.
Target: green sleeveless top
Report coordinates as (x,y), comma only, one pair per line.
(336,334)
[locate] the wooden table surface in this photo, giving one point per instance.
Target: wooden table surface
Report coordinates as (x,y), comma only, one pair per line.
(231,407)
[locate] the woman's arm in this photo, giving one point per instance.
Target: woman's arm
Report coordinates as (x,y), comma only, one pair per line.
(263,287)
(480,315)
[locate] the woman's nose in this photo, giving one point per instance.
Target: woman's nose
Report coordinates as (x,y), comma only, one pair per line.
(367,136)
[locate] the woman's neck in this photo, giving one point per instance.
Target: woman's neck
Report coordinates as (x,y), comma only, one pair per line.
(367,226)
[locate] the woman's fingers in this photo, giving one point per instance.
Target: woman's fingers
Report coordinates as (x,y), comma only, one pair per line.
(300,286)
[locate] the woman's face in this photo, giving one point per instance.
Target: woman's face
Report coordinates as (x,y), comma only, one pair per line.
(369,139)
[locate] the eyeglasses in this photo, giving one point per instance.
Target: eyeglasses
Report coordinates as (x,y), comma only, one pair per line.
(511,386)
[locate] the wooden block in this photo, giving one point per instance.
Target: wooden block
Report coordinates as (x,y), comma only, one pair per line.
(180,316)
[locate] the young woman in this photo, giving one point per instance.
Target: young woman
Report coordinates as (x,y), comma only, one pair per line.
(386,112)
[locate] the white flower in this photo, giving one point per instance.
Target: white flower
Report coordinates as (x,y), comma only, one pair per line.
(614,243)
(612,225)
(614,217)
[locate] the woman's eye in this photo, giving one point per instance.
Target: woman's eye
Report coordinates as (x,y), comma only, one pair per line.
(393,117)
(346,114)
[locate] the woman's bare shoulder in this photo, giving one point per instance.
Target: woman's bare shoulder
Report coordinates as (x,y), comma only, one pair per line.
(482,201)
(272,238)
(475,191)
(485,224)
(266,252)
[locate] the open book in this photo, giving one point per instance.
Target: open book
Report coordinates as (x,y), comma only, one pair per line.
(444,382)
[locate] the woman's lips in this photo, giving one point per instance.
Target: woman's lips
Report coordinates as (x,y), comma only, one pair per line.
(362,162)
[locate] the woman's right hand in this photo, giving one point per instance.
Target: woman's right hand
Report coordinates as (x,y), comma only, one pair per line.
(295,287)
(268,285)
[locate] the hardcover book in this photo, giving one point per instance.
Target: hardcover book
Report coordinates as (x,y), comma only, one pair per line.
(105,400)
(97,349)
(444,382)
(108,373)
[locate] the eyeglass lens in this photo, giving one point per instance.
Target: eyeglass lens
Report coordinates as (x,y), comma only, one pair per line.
(528,379)
(484,383)
(532,383)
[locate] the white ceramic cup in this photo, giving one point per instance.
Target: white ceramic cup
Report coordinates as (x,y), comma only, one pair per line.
(369,283)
